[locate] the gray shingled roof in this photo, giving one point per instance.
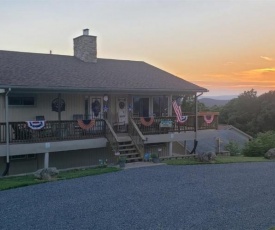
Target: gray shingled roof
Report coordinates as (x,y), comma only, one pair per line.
(48,71)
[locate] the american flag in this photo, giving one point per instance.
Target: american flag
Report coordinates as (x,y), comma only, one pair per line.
(177,108)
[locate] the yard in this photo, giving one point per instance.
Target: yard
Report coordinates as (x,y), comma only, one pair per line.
(208,196)
(20,181)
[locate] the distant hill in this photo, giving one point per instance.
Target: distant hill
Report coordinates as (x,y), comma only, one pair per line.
(220,97)
(209,102)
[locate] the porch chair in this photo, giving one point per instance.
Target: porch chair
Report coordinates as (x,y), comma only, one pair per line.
(77,130)
(120,126)
(20,132)
(44,132)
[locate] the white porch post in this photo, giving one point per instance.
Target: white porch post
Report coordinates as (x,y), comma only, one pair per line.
(7,126)
(196,116)
(46,160)
(46,155)
(170,105)
(170,148)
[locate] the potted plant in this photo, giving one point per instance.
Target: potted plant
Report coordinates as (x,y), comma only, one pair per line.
(155,157)
(121,161)
(102,163)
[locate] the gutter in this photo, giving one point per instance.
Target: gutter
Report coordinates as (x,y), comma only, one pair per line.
(196,123)
(108,89)
(7,134)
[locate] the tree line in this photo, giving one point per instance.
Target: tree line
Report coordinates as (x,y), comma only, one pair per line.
(248,112)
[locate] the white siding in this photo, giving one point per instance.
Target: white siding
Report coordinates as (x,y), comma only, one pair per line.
(74,104)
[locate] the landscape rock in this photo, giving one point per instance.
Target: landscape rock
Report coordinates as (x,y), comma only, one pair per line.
(46,173)
(270,154)
(206,156)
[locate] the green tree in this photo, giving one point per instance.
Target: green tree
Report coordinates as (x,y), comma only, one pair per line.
(265,120)
(242,112)
(260,145)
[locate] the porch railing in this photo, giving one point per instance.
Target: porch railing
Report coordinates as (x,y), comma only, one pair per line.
(19,132)
(136,136)
(162,125)
(111,137)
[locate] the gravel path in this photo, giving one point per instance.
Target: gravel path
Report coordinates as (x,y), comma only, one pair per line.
(231,196)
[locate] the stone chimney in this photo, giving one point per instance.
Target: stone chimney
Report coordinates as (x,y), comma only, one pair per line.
(85,47)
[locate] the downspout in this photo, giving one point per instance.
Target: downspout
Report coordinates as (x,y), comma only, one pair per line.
(7,134)
(196,123)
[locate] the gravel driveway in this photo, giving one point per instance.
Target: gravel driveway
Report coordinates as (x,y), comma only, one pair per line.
(229,196)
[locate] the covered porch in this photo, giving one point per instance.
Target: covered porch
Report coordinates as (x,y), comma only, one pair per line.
(88,121)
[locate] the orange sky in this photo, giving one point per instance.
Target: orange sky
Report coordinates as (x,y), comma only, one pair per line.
(225,46)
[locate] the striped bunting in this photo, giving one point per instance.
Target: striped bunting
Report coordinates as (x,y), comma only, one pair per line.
(86,124)
(147,123)
(36,125)
(208,118)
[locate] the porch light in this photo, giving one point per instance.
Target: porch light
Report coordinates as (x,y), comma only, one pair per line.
(105,97)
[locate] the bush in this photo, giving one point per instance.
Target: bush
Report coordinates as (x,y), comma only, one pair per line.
(260,145)
(233,148)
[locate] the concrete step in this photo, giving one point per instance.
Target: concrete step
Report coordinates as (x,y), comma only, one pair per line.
(133,159)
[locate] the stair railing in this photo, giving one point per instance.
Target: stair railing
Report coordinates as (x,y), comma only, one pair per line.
(111,137)
(137,137)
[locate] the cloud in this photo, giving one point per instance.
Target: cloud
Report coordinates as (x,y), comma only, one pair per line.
(229,63)
(260,79)
(266,58)
(257,73)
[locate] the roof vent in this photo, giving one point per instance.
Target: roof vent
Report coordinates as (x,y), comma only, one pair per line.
(86,32)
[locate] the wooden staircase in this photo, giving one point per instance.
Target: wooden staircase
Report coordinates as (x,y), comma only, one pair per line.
(128,150)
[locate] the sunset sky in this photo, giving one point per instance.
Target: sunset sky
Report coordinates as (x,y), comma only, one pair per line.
(225,46)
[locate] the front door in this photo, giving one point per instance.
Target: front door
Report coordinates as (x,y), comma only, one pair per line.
(122,112)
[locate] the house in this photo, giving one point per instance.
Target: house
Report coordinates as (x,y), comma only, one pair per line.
(70,111)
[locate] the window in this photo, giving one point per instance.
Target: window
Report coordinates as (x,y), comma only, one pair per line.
(23,157)
(160,106)
(22,100)
(141,106)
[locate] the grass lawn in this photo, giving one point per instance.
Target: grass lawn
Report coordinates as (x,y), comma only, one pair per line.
(218,160)
(20,181)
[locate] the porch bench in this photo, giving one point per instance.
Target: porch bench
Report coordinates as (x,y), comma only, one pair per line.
(21,133)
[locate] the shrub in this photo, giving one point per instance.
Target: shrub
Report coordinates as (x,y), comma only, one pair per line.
(233,148)
(260,145)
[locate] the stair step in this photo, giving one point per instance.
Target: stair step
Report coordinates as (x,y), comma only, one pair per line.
(125,150)
(133,159)
(122,144)
(129,154)
(125,142)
